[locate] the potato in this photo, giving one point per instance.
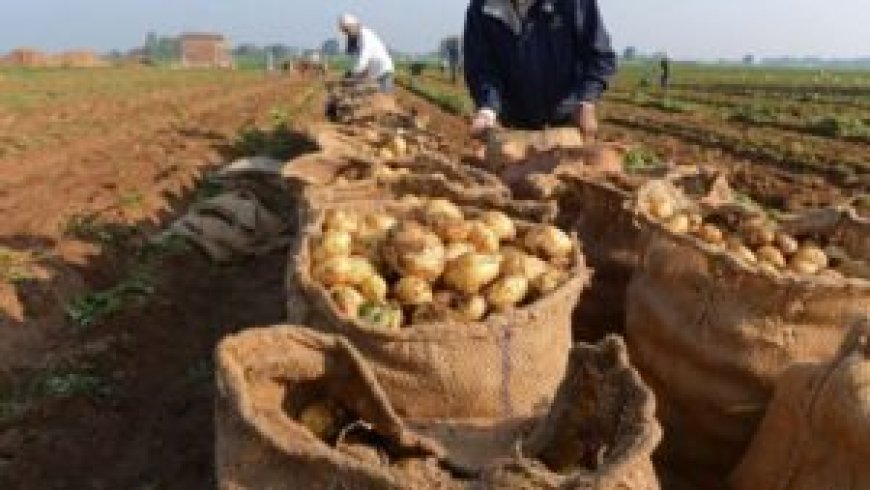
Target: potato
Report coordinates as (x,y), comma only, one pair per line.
(696,221)
(322,419)
(413,291)
(412,251)
(451,230)
(661,209)
(439,209)
(374,288)
(333,244)
(501,224)
(412,201)
(812,254)
(484,239)
(339,220)
(772,256)
(741,251)
(711,234)
(548,282)
(388,317)
(768,268)
(398,146)
(386,153)
(516,262)
(339,271)
(803,267)
(377,224)
(456,250)
(471,272)
(548,242)
(347,300)
(677,224)
(472,308)
(758,232)
(507,292)
(786,243)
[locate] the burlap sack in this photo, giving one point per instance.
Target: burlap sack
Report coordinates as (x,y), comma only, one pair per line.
(510,364)
(599,435)
(711,335)
(816,433)
(603,418)
(264,376)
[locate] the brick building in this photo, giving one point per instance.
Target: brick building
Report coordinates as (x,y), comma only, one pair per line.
(201,50)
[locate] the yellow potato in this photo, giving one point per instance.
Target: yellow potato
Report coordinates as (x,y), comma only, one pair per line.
(768,268)
(343,271)
(398,146)
(347,300)
(786,243)
(696,221)
(507,292)
(516,262)
(484,239)
(803,267)
(661,209)
(758,232)
(741,251)
(548,282)
(456,250)
(412,251)
(677,224)
(548,242)
(711,234)
(413,291)
(441,208)
(339,220)
(374,288)
(321,419)
(471,272)
(812,254)
(771,255)
(333,244)
(451,230)
(472,308)
(501,224)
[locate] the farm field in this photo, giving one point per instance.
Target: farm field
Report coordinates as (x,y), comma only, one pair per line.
(106,338)
(103,337)
(791,138)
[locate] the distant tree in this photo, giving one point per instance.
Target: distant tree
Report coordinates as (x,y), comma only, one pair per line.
(749,59)
(331,47)
(630,53)
(248,50)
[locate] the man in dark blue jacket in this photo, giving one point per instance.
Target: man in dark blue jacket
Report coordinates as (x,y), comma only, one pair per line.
(531,64)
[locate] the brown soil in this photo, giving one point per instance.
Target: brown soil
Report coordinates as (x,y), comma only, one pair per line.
(142,417)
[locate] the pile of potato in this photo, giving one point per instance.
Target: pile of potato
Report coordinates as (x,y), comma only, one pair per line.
(758,240)
(435,263)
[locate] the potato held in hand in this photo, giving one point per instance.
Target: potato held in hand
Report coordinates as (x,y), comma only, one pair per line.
(472,272)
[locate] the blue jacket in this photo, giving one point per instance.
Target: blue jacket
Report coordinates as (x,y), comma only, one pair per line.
(535,72)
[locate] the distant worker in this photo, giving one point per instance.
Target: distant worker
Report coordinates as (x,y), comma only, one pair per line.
(453,60)
(666,71)
(372,60)
(531,64)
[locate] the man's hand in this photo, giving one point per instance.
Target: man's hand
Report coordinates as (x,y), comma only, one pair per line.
(484,120)
(586,120)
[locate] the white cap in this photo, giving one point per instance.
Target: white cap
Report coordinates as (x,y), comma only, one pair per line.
(348,21)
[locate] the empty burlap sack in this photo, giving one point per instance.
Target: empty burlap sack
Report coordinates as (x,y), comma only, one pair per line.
(712,334)
(509,364)
(816,433)
(599,435)
(602,424)
(233,225)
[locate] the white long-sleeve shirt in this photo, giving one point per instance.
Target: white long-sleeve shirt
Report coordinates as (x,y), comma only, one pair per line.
(373,59)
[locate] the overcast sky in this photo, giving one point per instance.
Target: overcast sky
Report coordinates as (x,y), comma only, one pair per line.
(685,28)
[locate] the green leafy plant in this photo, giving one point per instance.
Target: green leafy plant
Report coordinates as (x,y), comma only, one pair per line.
(639,159)
(13,266)
(93,228)
(94,307)
(70,384)
(753,114)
